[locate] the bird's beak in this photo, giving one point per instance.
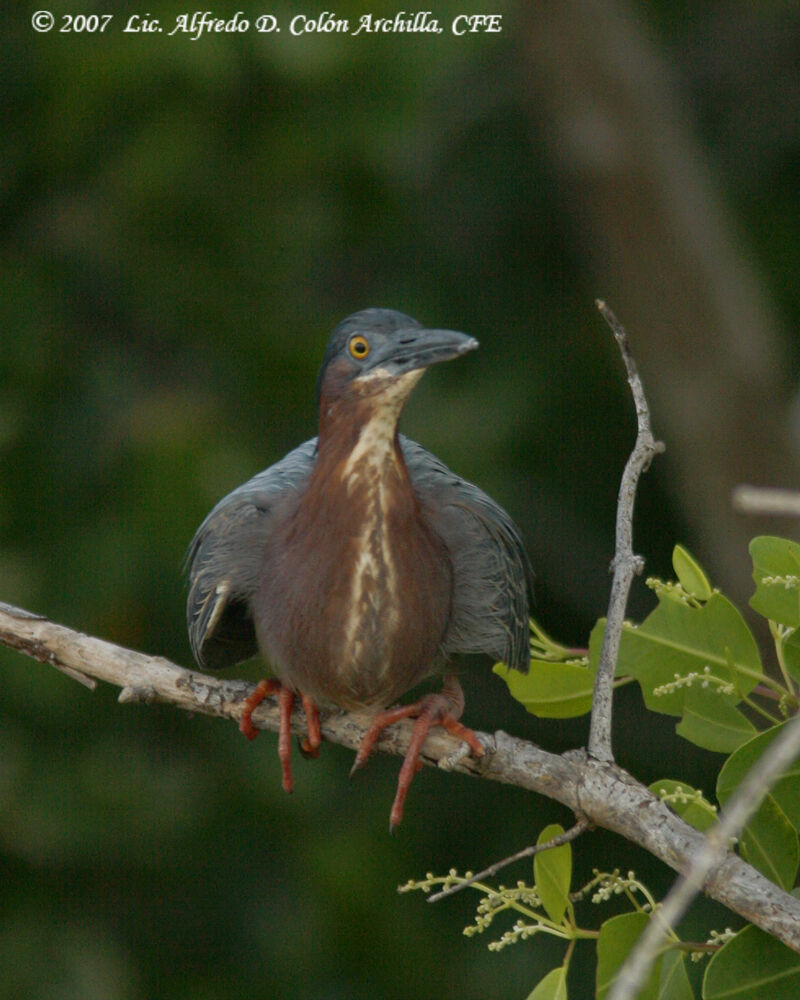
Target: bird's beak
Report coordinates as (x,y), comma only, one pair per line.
(414,348)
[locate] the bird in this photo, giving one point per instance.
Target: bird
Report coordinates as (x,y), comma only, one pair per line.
(359,565)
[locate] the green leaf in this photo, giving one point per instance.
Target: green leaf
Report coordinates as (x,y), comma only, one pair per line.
(544,647)
(617,936)
(551,690)
(690,658)
(753,966)
(675,983)
(552,873)
(714,724)
(677,638)
(791,655)
(687,802)
(552,987)
(776,571)
(690,574)
(769,841)
(785,791)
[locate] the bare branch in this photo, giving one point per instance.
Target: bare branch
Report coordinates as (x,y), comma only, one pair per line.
(625,565)
(760,778)
(601,791)
(765,500)
(41,652)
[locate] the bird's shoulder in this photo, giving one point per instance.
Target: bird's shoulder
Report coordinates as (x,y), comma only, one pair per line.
(263,490)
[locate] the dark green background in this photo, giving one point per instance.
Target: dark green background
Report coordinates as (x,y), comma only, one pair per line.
(181,224)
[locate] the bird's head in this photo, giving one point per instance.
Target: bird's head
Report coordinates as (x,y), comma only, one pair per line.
(378,355)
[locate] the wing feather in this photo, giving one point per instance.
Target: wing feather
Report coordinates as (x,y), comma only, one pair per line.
(491,571)
(224,560)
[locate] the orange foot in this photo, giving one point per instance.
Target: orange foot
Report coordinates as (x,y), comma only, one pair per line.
(309,746)
(442,709)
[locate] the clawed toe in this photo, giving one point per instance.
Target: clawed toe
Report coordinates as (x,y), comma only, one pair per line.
(442,709)
(262,690)
(309,745)
(432,710)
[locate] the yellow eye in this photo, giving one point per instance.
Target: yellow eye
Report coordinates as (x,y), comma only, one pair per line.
(359,347)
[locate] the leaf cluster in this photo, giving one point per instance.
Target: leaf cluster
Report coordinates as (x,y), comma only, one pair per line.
(695,658)
(549,907)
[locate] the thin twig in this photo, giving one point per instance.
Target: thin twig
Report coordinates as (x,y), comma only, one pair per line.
(625,564)
(563,838)
(760,778)
(760,501)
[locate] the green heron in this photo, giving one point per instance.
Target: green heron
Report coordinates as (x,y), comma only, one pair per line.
(359,564)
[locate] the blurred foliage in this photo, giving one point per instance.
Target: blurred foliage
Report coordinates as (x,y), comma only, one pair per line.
(181,224)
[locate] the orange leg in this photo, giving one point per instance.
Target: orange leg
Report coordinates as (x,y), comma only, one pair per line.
(263,690)
(286,707)
(310,744)
(442,709)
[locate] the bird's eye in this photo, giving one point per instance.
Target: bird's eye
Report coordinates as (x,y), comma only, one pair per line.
(359,346)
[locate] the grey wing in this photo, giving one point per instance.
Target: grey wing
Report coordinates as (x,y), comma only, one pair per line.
(491,572)
(224,560)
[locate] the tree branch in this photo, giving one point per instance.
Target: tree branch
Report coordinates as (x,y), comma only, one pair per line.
(599,790)
(626,565)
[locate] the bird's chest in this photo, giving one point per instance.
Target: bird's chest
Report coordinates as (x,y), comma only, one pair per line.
(359,590)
